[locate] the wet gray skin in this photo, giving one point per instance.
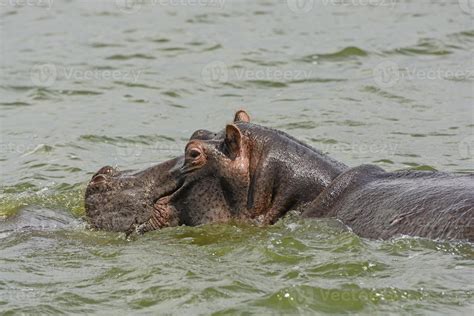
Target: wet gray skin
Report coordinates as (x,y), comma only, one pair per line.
(251,173)
(119,201)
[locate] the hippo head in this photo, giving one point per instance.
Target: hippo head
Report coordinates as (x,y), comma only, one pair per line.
(245,172)
(184,190)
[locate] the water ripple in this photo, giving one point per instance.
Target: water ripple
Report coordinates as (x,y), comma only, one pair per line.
(346,53)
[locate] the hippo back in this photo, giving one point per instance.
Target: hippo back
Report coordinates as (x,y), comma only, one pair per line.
(379,204)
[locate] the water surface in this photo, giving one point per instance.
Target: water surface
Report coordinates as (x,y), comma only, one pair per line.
(88,84)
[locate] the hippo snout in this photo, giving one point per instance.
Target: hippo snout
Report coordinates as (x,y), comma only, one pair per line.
(121,200)
(102,175)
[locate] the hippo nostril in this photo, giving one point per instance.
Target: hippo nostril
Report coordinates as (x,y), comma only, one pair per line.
(106,170)
(100,178)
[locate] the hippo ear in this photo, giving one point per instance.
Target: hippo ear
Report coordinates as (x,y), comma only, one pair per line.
(233,140)
(241,116)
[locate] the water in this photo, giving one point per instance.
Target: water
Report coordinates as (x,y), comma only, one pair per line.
(88,84)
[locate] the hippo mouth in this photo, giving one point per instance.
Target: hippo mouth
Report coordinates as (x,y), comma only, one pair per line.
(161,216)
(124,201)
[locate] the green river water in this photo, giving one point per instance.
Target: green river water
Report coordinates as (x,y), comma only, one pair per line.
(90,83)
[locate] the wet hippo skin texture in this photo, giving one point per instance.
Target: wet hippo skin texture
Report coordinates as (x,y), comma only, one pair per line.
(251,173)
(379,204)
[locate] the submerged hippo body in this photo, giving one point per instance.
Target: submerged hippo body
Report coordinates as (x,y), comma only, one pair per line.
(252,173)
(379,204)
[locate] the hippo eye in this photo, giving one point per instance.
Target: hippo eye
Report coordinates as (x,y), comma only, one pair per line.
(194,154)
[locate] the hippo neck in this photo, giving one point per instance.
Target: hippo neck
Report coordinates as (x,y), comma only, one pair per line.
(286,173)
(306,167)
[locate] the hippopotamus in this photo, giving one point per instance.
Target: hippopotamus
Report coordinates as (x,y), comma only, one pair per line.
(251,173)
